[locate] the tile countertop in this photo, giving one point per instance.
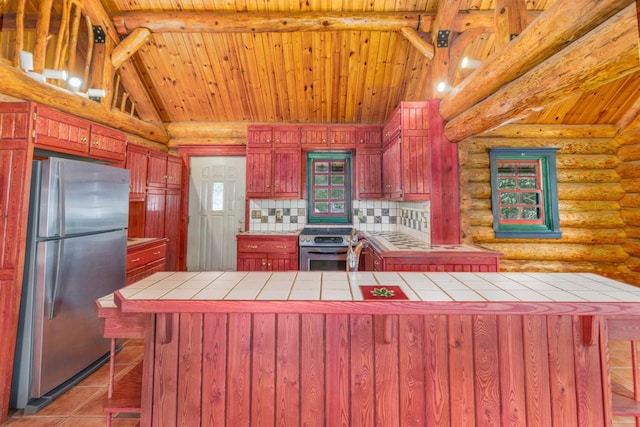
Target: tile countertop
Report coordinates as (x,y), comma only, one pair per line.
(270,233)
(317,291)
(390,241)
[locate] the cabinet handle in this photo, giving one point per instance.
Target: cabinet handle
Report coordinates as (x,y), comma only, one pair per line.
(376,263)
(281,247)
(166,177)
(135,260)
(252,246)
(157,253)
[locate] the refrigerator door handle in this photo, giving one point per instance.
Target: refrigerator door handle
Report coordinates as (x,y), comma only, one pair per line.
(56,279)
(61,200)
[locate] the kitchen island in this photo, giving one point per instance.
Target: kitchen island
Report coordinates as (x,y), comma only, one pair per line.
(364,349)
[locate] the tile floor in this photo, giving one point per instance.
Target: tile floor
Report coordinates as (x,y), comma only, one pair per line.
(82,405)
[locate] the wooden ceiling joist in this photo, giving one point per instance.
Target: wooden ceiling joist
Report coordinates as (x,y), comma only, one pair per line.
(554,29)
(414,38)
(604,54)
(254,22)
(129,46)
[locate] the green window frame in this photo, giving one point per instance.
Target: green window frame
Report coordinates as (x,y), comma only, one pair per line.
(524,193)
(329,187)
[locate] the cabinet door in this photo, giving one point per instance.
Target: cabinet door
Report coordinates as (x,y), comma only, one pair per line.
(252,262)
(157,169)
(282,263)
(155,213)
(172,214)
(259,136)
(288,136)
(416,170)
(393,127)
(174,172)
(286,174)
(61,132)
(368,136)
(137,165)
(368,175)
(107,144)
(342,137)
(259,164)
(314,136)
(392,170)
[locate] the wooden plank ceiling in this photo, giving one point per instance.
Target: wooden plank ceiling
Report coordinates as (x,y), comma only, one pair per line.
(321,75)
(214,62)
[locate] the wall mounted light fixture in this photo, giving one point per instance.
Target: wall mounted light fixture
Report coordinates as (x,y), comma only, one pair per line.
(26,63)
(443,87)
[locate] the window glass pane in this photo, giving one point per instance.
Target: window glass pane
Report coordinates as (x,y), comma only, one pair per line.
(337,180)
(321,207)
(321,180)
(527,169)
(509,198)
(506,184)
(530,198)
(509,213)
(321,194)
(337,167)
(337,193)
(527,183)
(321,167)
(530,213)
(217,196)
(508,169)
(337,207)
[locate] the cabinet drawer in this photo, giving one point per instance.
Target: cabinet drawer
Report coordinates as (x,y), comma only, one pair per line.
(251,244)
(136,258)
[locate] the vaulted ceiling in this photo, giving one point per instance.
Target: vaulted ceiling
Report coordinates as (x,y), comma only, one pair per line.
(217,62)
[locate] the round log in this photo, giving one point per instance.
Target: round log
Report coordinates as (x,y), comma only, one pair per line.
(631,185)
(598,161)
(538,131)
(485,234)
(566,146)
(631,217)
(629,170)
(561,252)
(588,191)
(587,175)
(632,247)
(630,200)
(629,153)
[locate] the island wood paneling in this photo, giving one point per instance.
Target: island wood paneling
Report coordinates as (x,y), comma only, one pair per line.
(595,201)
(269,369)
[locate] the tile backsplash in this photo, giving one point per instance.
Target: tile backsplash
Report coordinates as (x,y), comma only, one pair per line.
(368,215)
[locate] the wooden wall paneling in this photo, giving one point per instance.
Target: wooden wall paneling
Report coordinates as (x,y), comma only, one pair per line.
(461,371)
(438,395)
(589,386)
(412,355)
(312,376)
(362,371)
(386,370)
(165,384)
(148,373)
(486,370)
(288,370)
(238,391)
(537,378)
(263,371)
(214,373)
(190,369)
(511,363)
(562,380)
(337,367)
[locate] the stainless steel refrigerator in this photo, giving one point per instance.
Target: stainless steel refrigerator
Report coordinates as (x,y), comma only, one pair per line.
(76,253)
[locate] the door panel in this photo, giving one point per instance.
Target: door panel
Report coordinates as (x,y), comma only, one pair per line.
(216,212)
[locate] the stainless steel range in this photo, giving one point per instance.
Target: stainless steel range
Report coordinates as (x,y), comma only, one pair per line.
(324,248)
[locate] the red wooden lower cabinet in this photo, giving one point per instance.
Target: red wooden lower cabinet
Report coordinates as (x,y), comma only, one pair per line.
(339,369)
(263,252)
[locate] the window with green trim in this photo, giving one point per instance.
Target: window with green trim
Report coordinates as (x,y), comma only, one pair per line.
(524,192)
(329,187)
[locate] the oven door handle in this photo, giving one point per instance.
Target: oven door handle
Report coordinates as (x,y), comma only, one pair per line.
(336,252)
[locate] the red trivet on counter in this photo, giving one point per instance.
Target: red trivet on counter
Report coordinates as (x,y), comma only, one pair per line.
(374,292)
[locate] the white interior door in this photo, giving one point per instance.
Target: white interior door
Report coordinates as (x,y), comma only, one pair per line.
(216,212)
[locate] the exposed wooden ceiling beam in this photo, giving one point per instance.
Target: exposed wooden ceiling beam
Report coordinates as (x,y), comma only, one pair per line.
(414,38)
(17,84)
(129,46)
(555,28)
(255,22)
(260,22)
(509,20)
(604,54)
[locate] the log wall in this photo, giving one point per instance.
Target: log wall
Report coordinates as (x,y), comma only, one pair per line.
(599,201)
(266,369)
(629,171)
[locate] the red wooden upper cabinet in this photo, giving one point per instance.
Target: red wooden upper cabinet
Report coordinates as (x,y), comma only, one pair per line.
(329,137)
(270,135)
(108,144)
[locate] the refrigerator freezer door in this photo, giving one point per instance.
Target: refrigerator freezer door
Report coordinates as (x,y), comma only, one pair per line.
(70,275)
(80,197)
